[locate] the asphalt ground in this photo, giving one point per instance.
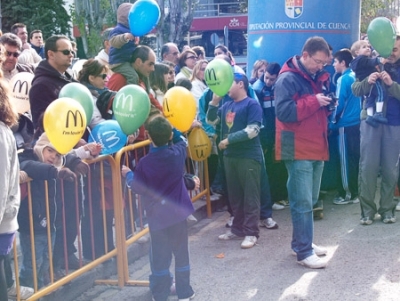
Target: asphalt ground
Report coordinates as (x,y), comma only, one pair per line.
(364,262)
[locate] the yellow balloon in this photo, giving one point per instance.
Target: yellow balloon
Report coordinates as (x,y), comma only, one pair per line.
(179,107)
(199,145)
(64,122)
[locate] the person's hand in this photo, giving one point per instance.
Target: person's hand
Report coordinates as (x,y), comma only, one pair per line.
(323,100)
(386,78)
(129,37)
(196,124)
(23,177)
(196,182)
(133,137)
(373,77)
(215,100)
(94,148)
(124,170)
(66,174)
(26,46)
(223,144)
(81,168)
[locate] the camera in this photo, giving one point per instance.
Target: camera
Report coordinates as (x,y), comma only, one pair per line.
(332,101)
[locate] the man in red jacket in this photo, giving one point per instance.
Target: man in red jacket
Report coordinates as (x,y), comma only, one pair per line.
(301,140)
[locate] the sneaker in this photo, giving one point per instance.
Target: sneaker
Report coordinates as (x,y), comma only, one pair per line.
(268,223)
(24,292)
(248,242)
(188,299)
(313,262)
(340,201)
(283,203)
(388,219)
(398,207)
(356,200)
(230,222)
(229,236)
(277,206)
(371,121)
(215,197)
(366,221)
(319,251)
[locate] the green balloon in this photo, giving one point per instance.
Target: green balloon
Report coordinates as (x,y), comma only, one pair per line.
(382,36)
(131,107)
(81,94)
(219,76)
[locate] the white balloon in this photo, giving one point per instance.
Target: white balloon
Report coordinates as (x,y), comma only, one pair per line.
(20,85)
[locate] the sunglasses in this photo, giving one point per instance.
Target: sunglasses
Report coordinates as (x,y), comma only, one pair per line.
(171,72)
(103,76)
(66,52)
(192,57)
(14,54)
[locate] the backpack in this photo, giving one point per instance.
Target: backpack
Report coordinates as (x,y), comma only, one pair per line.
(104,104)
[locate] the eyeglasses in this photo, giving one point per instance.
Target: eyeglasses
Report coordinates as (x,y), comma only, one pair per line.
(318,62)
(14,54)
(103,76)
(192,57)
(66,52)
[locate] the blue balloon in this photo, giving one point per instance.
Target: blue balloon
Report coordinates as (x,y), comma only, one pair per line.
(143,17)
(110,135)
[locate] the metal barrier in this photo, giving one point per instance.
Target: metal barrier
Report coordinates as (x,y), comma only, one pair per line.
(120,207)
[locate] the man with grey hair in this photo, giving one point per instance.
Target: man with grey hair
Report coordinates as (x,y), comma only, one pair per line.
(11,66)
(28,55)
(170,53)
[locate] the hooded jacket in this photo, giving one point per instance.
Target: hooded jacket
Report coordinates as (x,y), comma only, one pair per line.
(46,86)
(9,182)
(31,161)
(301,123)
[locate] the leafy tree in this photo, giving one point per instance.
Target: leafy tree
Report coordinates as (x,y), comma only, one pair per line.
(371,9)
(49,16)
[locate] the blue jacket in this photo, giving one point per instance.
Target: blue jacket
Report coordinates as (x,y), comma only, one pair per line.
(349,106)
(123,54)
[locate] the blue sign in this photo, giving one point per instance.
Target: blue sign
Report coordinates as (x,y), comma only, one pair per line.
(277,29)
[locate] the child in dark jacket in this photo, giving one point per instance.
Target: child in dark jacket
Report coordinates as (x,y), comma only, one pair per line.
(42,164)
(123,43)
(159,179)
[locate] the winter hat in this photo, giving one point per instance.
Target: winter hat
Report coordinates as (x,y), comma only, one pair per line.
(273,68)
(41,143)
(123,12)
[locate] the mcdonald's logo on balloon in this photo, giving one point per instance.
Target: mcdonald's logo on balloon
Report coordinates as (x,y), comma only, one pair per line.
(179,107)
(199,145)
(64,122)
(219,76)
(20,85)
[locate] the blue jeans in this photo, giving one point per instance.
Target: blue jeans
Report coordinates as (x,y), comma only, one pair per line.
(303,188)
(42,258)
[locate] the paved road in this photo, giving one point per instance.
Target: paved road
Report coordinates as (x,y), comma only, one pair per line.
(364,263)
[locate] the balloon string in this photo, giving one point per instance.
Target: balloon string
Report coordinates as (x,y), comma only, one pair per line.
(90,133)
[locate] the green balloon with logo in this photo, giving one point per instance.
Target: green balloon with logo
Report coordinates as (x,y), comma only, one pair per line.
(131,107)
(81,94)
(219,76)
(382,36)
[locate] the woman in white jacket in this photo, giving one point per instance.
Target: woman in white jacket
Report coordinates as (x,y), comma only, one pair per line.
(197,79)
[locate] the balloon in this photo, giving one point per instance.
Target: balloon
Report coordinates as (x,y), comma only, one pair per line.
(131,108)
(219,76)
(143,17)
(81,94)
(64,122)
(199,145)
(110,135)
(382,36)
(20,85)
(179,107)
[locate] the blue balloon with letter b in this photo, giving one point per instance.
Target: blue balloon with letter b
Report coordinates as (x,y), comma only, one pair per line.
(110,135)
(143,17)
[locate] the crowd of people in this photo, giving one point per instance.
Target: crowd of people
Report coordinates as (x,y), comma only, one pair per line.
(271,136)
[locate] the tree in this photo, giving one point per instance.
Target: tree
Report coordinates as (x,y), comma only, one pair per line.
(370,9)
(49,16)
